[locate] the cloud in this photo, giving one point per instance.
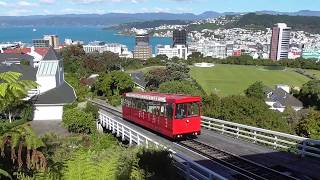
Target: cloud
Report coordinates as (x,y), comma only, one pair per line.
(2,3)
(47,1)
(104,1)
(26,4)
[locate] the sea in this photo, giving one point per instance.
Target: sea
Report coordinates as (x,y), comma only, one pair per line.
(85,34)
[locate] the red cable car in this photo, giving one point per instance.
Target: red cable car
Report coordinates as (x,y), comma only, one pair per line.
(171,115)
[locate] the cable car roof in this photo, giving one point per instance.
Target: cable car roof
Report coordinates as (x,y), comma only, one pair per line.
(160,97)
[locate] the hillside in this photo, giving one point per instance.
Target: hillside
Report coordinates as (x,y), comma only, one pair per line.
(301,23)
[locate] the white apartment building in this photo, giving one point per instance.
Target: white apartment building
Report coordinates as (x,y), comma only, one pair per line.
(180,51)
(116,48)
(210,48)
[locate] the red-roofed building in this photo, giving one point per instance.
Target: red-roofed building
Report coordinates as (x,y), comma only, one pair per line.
(17,51)
(41,51)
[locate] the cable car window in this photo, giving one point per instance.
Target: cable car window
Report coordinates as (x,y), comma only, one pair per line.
(181,111)
(193,109)
(163,109)
(169,111)
(153,108)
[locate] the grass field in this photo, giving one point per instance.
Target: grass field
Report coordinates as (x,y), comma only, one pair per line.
(227,80)
(313,72)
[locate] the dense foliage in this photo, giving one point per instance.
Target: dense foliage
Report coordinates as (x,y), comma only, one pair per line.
(310,93)
(20,151)
(112,85)
(78,121)
(310,126)
(256,90)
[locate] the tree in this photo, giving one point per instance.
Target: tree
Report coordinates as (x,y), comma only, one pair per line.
(310,93)
(73,57)
(195,56)
(180,87)
(155,77)
(12,91)
(114,84)
(310,126)
(212,106)
(11,148)
(177,71)
(256,90)
(244,110)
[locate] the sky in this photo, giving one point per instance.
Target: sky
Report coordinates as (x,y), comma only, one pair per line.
(45,7)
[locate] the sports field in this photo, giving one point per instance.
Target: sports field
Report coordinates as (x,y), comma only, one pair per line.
(227,80)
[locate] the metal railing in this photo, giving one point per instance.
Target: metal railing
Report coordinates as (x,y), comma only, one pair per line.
(187,168)
(304,146)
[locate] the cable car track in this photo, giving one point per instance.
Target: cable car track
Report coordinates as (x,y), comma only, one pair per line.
(247,168)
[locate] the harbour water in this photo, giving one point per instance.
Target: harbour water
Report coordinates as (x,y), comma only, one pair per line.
(86,34)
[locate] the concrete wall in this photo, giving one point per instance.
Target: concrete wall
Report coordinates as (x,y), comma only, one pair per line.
(43,112)
(46,83)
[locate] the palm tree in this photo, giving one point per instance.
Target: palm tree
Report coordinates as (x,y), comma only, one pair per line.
(12,91)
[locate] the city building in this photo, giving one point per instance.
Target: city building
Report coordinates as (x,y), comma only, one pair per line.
(311,54)
(41,43)
(209,48)
(99,47)
(180,51)
(142,50)
(179,37)
(53,40)
(280,41)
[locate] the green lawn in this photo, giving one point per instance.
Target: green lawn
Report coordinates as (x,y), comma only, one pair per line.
(227,80)
(313,72)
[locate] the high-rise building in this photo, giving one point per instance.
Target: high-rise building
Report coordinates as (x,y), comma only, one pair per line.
(40,43)
(142,50)
(53,40)
(280,41)
(179,37)
(142,38)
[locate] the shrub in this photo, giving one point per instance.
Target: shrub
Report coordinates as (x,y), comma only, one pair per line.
(78,121)
(114,100)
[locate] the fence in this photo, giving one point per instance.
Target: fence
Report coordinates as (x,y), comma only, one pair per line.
(187,168)
(305,146)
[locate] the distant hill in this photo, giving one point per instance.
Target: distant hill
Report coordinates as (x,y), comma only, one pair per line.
(148,24)
(96,19)
(111,19)
(261,21)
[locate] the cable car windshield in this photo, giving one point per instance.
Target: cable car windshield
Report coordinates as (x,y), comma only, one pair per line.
(187,110)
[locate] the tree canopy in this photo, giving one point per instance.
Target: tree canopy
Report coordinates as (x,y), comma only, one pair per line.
(310,93)
(256,90)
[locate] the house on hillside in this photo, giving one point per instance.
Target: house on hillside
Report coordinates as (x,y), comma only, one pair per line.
(280,98)
(36,53)
(53,92)
(16,58)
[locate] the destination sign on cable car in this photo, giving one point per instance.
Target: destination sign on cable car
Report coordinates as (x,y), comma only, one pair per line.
(146,97)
